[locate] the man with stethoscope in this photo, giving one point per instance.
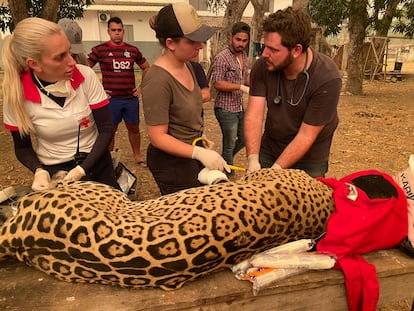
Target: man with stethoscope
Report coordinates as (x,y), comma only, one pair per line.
(301,89)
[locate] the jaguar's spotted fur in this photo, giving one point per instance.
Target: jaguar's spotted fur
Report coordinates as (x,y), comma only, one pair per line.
(88,232)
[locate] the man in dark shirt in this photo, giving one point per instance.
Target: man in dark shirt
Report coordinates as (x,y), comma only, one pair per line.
(300,89)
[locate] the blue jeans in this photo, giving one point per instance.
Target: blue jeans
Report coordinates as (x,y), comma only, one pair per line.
(231,124)
(313,169)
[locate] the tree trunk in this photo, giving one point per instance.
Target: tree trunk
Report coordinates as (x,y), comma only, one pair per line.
(233,14)
(300,3)
(50,10)
(358,21)
(383,26)
(18,10)
(256,33)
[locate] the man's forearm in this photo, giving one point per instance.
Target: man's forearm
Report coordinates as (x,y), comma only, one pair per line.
(293,153)
(299,146)
(252,134)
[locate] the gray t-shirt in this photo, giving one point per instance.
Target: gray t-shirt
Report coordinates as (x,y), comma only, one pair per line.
(317,107)
(167,101)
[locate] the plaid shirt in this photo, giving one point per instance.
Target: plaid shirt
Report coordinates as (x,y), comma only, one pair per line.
(226,67)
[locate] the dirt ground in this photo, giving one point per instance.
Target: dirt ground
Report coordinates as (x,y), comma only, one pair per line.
(375,132)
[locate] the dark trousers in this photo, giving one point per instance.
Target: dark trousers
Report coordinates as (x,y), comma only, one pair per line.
(172,173)
(102,171)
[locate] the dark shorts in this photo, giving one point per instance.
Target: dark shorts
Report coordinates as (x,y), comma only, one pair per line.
(172,173)
(126,109)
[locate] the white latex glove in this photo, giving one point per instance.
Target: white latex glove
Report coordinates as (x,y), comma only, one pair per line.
(75,174)
(210,159)
(244,88)
(41,180)
(253,163)
(276,166)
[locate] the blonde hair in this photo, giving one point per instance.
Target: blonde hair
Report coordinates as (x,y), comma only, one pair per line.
(27,41)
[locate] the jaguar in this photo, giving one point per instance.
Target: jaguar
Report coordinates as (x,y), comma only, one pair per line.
(91,233)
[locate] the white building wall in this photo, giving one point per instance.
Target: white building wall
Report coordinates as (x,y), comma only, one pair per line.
(97,31)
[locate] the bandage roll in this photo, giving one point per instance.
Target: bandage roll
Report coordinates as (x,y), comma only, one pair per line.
(312,261)
(299,246)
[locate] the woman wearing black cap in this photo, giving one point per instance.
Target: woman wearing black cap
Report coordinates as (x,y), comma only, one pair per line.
(172,102)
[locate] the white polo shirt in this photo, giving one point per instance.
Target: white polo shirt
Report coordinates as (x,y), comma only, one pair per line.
(57,127)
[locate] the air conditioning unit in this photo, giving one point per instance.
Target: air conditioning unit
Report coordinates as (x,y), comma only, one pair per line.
(104,17)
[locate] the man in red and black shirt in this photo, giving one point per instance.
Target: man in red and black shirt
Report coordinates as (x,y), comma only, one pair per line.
(116,59)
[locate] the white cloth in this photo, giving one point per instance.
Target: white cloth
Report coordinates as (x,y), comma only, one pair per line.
(405,180)
(210,177)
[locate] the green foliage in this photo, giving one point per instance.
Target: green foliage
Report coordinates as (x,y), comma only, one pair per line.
(6,21)
(71,9)
(329,13)
(405,21)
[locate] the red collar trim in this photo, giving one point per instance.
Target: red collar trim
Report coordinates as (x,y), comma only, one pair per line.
(31,92)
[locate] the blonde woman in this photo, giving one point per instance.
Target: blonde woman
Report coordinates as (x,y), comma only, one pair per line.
(59,104)
(173,102)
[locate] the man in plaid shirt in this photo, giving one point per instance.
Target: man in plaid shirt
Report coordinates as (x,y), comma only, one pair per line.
(231,80)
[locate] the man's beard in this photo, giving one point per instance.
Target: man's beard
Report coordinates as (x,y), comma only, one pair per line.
(239,49)
(283,65)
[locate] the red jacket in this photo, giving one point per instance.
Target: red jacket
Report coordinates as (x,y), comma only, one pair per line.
(370,214)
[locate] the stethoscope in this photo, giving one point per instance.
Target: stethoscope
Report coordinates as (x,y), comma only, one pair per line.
(278,99)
